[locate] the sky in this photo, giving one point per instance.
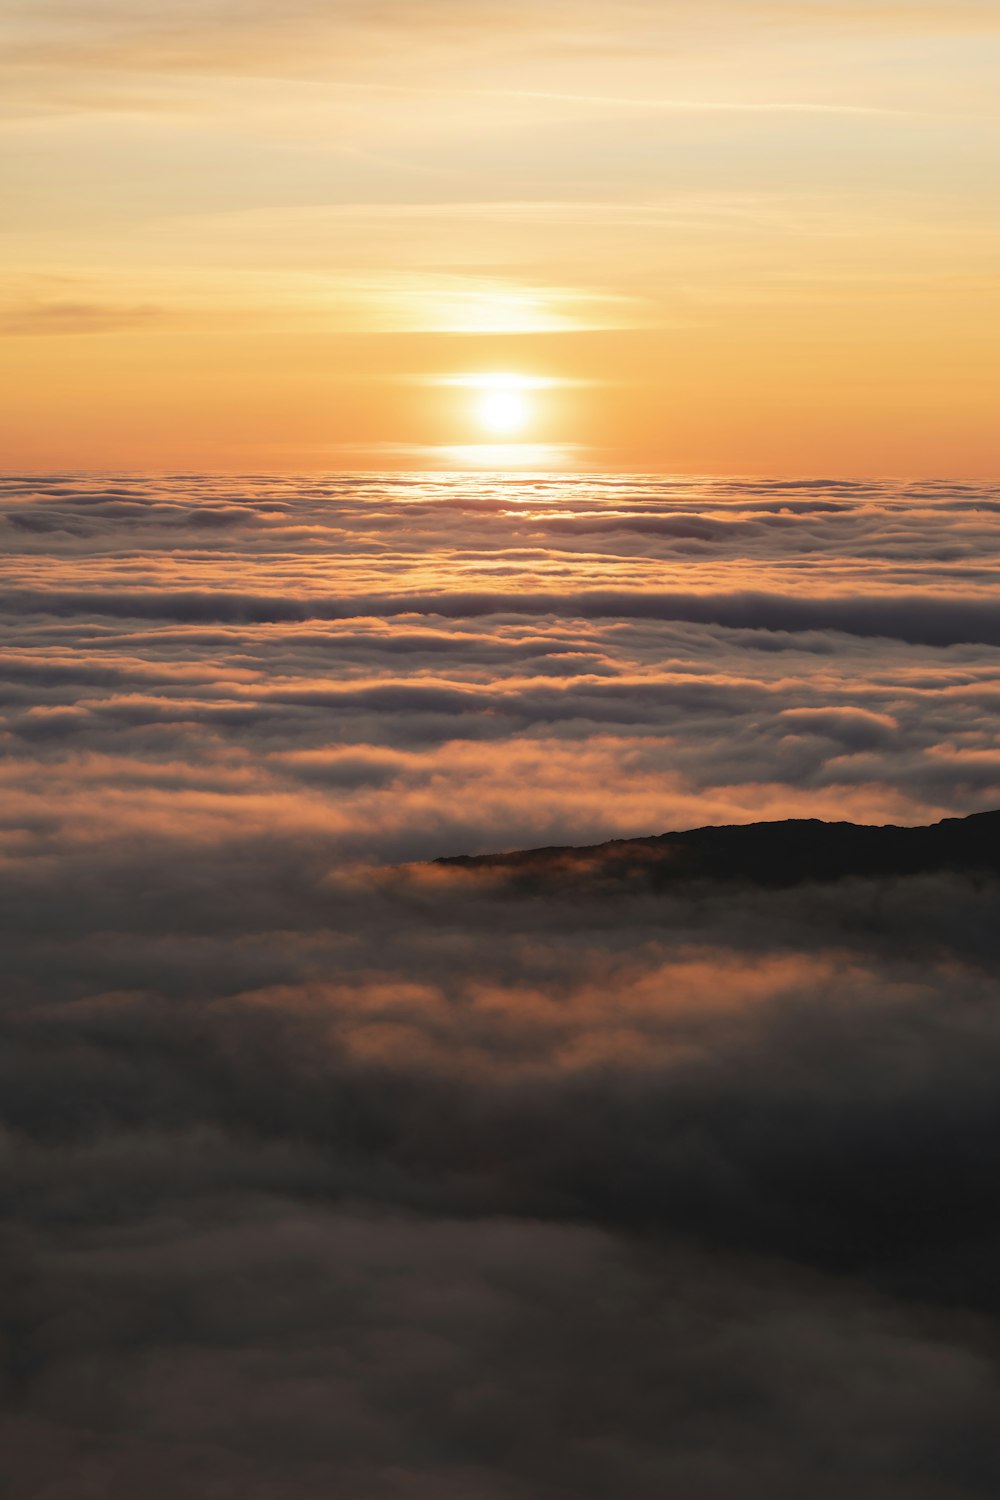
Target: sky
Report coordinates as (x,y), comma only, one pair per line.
(737,237)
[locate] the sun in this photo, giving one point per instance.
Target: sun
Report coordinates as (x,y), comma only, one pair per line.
(503,411)
(501,403)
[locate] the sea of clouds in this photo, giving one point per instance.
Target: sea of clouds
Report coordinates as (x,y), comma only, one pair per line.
(329,1172)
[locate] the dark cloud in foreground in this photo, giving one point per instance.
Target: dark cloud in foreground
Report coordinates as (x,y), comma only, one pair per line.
(660,1169)
(428,1189)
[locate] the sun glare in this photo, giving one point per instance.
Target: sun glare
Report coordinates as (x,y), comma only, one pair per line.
(503,411)
(502,403)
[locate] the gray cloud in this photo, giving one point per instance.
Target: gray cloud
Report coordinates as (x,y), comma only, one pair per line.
(411,1192)
(326,1175)
(920,619)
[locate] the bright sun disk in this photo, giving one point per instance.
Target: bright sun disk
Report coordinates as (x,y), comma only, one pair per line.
(503,411)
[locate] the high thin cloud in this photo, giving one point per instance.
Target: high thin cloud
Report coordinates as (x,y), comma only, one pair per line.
(179,32)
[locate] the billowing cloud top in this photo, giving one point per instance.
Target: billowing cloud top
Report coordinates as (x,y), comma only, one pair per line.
(333,1174)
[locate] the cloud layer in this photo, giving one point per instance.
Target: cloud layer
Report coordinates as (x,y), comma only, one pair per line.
(329,1173)
(571,659)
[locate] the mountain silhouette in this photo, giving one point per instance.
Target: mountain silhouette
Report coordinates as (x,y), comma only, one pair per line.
(778,854)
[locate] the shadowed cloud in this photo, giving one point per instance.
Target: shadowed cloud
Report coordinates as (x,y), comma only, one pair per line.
(336,1165)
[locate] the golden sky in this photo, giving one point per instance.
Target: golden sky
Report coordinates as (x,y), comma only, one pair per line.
(731,236)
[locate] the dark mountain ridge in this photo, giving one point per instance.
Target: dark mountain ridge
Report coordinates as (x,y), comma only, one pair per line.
(785,853)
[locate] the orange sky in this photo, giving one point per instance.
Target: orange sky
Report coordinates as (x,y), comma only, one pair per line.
(737,236)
